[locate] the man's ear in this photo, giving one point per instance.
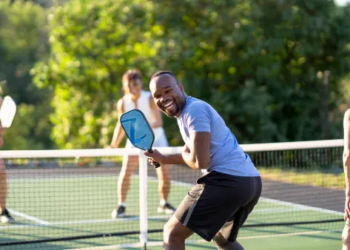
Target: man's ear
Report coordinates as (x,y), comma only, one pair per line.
(181,87)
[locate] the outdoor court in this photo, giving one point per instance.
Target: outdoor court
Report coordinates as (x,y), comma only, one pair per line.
(54,203)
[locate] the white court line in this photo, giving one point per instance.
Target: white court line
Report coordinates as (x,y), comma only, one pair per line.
(276,210)
(296,205)
(158,243)
(28,217)
(135,218)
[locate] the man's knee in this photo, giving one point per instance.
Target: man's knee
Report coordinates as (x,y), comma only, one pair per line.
(174,231)
(169,233)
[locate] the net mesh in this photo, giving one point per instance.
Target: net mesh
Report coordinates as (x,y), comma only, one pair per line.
(64,199)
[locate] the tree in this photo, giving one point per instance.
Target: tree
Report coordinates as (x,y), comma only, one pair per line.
(93,44)
(261,64)
(22,43)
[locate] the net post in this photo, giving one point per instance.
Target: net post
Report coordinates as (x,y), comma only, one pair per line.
(143,199)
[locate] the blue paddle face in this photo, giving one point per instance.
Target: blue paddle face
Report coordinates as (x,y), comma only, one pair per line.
(137,129)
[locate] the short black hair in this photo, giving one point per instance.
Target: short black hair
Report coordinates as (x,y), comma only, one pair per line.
(160,73)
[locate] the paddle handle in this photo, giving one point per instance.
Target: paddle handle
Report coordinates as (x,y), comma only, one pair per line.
(156,164)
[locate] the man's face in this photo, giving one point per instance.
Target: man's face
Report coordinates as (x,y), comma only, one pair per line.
(168,95)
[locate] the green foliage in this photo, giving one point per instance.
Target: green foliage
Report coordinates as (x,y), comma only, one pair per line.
(22,43)
(29,129)
(261,64)
(257,63)
(93,44)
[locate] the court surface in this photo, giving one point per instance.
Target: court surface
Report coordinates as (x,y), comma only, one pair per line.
(49,205)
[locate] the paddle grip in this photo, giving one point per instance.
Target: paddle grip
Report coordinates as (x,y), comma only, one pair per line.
(156,164)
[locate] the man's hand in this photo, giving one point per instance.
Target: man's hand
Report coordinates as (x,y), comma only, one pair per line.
(347,207)
(156,156)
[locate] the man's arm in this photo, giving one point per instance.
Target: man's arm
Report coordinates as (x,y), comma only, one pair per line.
(346,161)
(197,153)
(118,131)
(164,159)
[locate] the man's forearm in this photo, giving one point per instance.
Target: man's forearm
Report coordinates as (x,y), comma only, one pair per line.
(174,159)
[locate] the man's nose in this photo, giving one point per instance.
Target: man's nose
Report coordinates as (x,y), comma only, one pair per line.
(163,100)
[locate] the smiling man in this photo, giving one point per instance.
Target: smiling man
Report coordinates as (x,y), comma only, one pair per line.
(218,205)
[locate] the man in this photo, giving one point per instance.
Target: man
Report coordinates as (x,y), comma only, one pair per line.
(136,97)
(218,205)
(346,163)
(5,216)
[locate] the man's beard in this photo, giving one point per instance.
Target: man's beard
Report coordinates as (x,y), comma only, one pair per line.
(172,113)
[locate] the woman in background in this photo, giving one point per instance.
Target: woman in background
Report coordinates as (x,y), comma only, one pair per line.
(136,97)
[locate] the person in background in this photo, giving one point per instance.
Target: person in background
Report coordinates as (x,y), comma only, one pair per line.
(346,163)
(136,97)
(5,216)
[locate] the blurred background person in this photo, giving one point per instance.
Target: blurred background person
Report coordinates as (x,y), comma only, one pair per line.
(5,216)
(346,163)
(136,97)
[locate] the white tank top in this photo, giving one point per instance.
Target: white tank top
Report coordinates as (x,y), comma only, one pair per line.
(143,104)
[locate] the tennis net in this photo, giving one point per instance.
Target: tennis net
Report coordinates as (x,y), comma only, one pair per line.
(63,199)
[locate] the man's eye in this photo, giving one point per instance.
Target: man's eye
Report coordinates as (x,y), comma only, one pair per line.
(167,91)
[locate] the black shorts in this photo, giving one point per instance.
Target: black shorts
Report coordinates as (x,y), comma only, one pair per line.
(219,203)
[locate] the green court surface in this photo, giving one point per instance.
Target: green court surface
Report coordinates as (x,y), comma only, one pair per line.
(320,241)
(79,205)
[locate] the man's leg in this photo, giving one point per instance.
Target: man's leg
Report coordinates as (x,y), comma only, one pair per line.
(175,234)
(164,182)
(346,237)
(129,165)
(222,244)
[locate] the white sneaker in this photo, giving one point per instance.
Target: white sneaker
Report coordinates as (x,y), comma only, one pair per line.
(118,212)
(166,209)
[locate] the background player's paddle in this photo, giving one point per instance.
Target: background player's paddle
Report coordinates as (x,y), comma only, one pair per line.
(138,130)
(7,112)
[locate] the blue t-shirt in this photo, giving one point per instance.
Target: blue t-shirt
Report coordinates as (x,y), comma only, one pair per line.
(226,156)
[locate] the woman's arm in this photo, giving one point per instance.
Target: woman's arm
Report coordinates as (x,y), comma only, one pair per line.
(119,133)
